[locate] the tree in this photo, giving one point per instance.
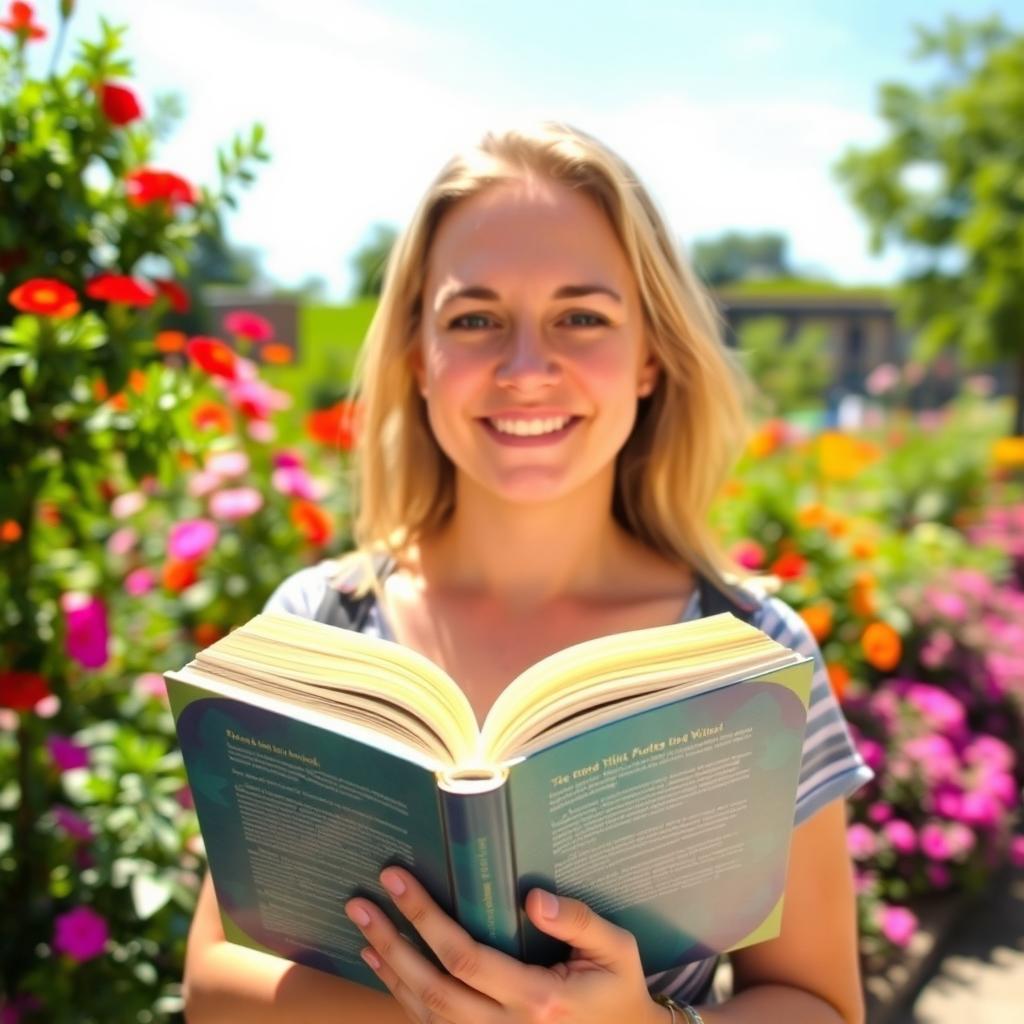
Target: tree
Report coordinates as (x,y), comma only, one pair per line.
(738,256)
(947,184)
(370,261)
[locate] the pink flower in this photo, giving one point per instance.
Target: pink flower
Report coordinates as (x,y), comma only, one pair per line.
(900,835)
(937,649)
(972,583)
(151,685)
(236,503)
(939,876)
(991,752)
(202,483)
(935,757)
(948,841)
(255,399)
(749,554)
(248,325)
(946,799)
(72,824)
(139,581)
(66,753)
(949,606)
(122,540)
(227,464)
(192,539)
(860,841)
(897,924)
(872,752)
(940,709)
(294,482)
(288,458)
(86,634)
(879,813)
(80,933)
(981,810)
(1017,851)
(261,430)
(127,504)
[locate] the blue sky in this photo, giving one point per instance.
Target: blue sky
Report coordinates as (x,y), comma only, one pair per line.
(732,113)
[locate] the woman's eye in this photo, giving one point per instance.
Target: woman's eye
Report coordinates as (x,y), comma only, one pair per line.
(470,322)
(586,319)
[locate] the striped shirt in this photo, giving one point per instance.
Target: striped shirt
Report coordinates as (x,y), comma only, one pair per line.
(830,768)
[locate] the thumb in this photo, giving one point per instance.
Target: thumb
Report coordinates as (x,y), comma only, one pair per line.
(590,935)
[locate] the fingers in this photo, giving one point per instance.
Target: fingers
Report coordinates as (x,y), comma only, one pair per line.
(427,993)
(574,922)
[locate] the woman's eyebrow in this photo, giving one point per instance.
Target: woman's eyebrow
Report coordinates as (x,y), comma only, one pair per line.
(567,291)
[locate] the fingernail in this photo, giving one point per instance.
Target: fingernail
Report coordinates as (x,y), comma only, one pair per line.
(357,914)
(371,958)
(393,884)
(548,903)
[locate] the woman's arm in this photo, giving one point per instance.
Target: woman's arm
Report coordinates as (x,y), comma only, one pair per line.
(810,974)
(226,982)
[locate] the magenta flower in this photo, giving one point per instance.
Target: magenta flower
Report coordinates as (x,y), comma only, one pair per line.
(943,842)
(80,933)
(86,634)
(294,482)
(66,753)
(897,924)
(1017,851)
(72,824)
(981,809)
(192,539)
(227,464)
(949,606)
(935,757)
(244,324)
(937,649)
(939,876)
(288,458)
(879,813)
(860,841)
(749,554)
(872,752)
(900,835)
(236,503)
(991,752)
(940,709)
(139,581)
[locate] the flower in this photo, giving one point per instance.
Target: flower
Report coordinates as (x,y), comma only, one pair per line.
(72,824)
(819,620)
(139,581)
(748,553)
(66,754)
(767,439)
(202,483)
(86,635)
(900,835)
(946,841)
(788,566)
(1008,453)
(227,464)
(295,482)
(19,21)
(178,574)
(150,685)
(838,677)
(842,457)
(882,646)
(10,531)
(212,416)
(276,353)
(80,933)
(21,691)
(192,538)
(236,503)
(169,341)
(312,521)
(45,296)
(288,458)
(119,104)
(173,292)
(333,426)
(207,633)
(120,288)
(248,325)
(1017,851)
(255,399)
(127,504)
(882,379)
(213,356)
(860,841)
(897,924)
(146,185)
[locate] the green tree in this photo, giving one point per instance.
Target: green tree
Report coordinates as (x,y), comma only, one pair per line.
(791,374)
(740,256)
(370,260)
(947,185)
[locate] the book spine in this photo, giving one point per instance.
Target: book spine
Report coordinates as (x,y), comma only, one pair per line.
(482,867)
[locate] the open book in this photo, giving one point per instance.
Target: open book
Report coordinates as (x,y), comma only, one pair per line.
(651,774)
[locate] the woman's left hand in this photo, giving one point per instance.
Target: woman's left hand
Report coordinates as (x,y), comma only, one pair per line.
(601,981)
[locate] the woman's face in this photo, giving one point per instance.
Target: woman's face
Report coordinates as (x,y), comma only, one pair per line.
(531,352)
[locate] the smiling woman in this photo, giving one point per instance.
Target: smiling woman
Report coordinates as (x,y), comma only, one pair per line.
(548,412)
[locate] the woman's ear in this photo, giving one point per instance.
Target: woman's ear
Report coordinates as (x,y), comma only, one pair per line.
(647,380)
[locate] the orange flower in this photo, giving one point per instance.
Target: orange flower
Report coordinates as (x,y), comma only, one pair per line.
(839,677)
(882,646)
(334,426)
(864,547)
(137,381)
(213,356)
(211,416)
(276,353)
(206,633)
(179,573)
(100,391)
(819,620)
(842,458)
(311,520)
(812,515)
(120,402)
(48,513)
(767,439)
(169,341)
(10,531)
(45,296)
(862,600)
(1008,453)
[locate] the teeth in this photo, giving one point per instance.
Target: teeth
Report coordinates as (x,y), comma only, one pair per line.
(530,428)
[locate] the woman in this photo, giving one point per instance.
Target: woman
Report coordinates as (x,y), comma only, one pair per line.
(548,413)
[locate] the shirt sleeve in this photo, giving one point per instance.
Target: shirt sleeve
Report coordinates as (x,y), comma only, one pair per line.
(302,592)
(831,767)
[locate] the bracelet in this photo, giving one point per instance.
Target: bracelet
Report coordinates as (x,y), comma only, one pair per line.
(690,1014)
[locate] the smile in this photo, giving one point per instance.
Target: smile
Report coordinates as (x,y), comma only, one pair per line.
(529,428)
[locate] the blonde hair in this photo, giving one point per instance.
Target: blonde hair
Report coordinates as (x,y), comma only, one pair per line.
(688,431)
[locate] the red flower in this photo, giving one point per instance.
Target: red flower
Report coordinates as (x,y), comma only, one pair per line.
(334,426)
(213,356)
(22,690)
(211,415)
(19,21)
(312,521)
(248,325)
(144,186)
(179,573)
(45,297)
(174,293)
(10,531)
(788,566)
(120,105)
(129,291)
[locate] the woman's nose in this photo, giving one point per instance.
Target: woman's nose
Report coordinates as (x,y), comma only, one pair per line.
(527,360)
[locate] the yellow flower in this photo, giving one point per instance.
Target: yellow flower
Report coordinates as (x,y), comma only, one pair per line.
(1008,453)
(842,457)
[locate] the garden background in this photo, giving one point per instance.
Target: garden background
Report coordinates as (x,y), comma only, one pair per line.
(166,466)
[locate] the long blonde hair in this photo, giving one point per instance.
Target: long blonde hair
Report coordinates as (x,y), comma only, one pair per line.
(688,431)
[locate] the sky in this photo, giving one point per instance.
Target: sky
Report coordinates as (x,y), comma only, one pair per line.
(733,114)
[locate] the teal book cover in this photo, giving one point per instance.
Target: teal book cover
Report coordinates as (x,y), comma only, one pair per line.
(673,822)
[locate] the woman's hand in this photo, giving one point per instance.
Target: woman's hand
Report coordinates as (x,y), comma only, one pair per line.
(601,981)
